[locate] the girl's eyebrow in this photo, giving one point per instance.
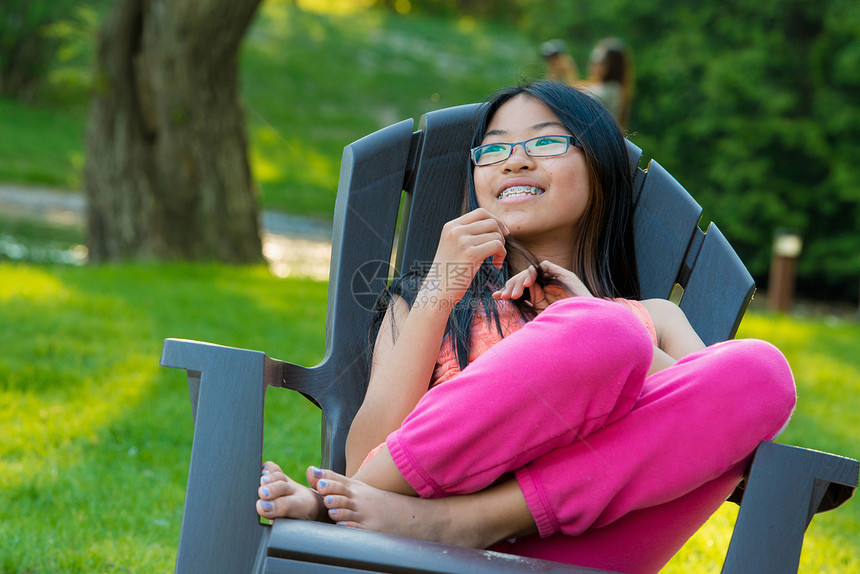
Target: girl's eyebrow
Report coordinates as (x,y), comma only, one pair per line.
(534,128)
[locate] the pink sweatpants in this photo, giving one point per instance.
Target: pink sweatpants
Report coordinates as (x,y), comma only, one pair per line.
(618,470)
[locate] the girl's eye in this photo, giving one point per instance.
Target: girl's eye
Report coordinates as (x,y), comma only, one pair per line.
(546,141)
(492,148)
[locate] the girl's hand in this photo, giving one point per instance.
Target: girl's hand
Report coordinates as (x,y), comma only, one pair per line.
(543,297)
(464,244)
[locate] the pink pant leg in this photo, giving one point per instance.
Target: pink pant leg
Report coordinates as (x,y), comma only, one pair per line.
(694,423)
(578,366)
(641,542)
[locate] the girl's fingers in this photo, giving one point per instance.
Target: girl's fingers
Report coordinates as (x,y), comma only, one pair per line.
(478,221)
(516,285)
(482,214)
(574,284)
(471,250)
(272,477)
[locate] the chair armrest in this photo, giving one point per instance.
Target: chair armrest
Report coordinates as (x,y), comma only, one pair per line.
(786,487)
(301,546)
(221,531)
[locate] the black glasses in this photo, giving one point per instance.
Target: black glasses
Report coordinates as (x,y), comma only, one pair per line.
(541,146)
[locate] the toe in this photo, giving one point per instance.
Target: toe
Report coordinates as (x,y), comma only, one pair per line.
(341,502)
(328,486)
(266,508)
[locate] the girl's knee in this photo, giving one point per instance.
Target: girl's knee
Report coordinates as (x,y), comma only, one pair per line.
(760,375)
(606,326)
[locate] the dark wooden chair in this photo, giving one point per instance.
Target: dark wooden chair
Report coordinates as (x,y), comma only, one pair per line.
(421,175)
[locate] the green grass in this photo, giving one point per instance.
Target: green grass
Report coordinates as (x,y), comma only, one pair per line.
(311,83)
(823,356)
(95,437)
(42,145)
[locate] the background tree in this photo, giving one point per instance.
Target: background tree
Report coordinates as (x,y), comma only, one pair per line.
(167,173)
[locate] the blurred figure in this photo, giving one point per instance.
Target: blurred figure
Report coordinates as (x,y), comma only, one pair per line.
(610,74)
(560,66)
(610,78)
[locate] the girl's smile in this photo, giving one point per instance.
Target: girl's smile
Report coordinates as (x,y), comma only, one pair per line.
(519,190)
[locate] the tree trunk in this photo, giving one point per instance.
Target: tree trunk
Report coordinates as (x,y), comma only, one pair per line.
(167,173)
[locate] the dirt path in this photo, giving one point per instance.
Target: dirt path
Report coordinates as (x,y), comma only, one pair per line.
(294,246)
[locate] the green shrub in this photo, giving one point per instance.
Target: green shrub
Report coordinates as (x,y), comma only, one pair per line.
(752,107)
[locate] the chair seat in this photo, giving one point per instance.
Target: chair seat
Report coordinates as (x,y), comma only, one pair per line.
(319,547)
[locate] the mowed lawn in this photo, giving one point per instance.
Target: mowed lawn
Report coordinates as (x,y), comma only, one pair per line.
(95,436)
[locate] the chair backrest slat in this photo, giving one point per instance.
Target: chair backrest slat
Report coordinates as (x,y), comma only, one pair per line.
(438,179)
(718,290)
(368,199)
(665,219)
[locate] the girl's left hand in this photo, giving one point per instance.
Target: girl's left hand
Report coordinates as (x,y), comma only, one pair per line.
(542,298)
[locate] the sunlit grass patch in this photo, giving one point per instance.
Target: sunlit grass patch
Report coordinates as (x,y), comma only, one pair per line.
(94,435)
(826,365)
(705,552)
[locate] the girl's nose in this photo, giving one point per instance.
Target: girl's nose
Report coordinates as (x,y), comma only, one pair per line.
(518,159)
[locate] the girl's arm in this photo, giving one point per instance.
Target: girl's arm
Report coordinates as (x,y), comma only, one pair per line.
(405,354)
(676,338)
(404,357)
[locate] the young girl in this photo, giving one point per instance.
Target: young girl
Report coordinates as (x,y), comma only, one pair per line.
(565,419)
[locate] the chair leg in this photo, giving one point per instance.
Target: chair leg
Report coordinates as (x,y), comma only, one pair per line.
(784,490)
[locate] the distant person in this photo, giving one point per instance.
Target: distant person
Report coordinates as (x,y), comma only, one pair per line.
(560,66)
(610,74)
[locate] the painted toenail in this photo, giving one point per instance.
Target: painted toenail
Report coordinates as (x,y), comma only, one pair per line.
(267,506)
(264,491)
(332,512)
(316,472)
(265,472)
(265,480)
(329,499)
(322,483)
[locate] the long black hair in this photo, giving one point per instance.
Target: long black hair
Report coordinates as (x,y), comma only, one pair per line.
(603,253)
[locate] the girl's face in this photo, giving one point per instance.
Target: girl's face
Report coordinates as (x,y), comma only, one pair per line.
(540,199)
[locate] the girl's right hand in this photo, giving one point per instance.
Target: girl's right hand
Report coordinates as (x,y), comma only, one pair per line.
(463,246)
(542,297)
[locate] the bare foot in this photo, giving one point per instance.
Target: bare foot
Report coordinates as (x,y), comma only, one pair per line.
(355,504)
(283,497)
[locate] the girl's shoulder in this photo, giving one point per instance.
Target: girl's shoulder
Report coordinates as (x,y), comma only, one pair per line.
(643,312)
(662,310)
